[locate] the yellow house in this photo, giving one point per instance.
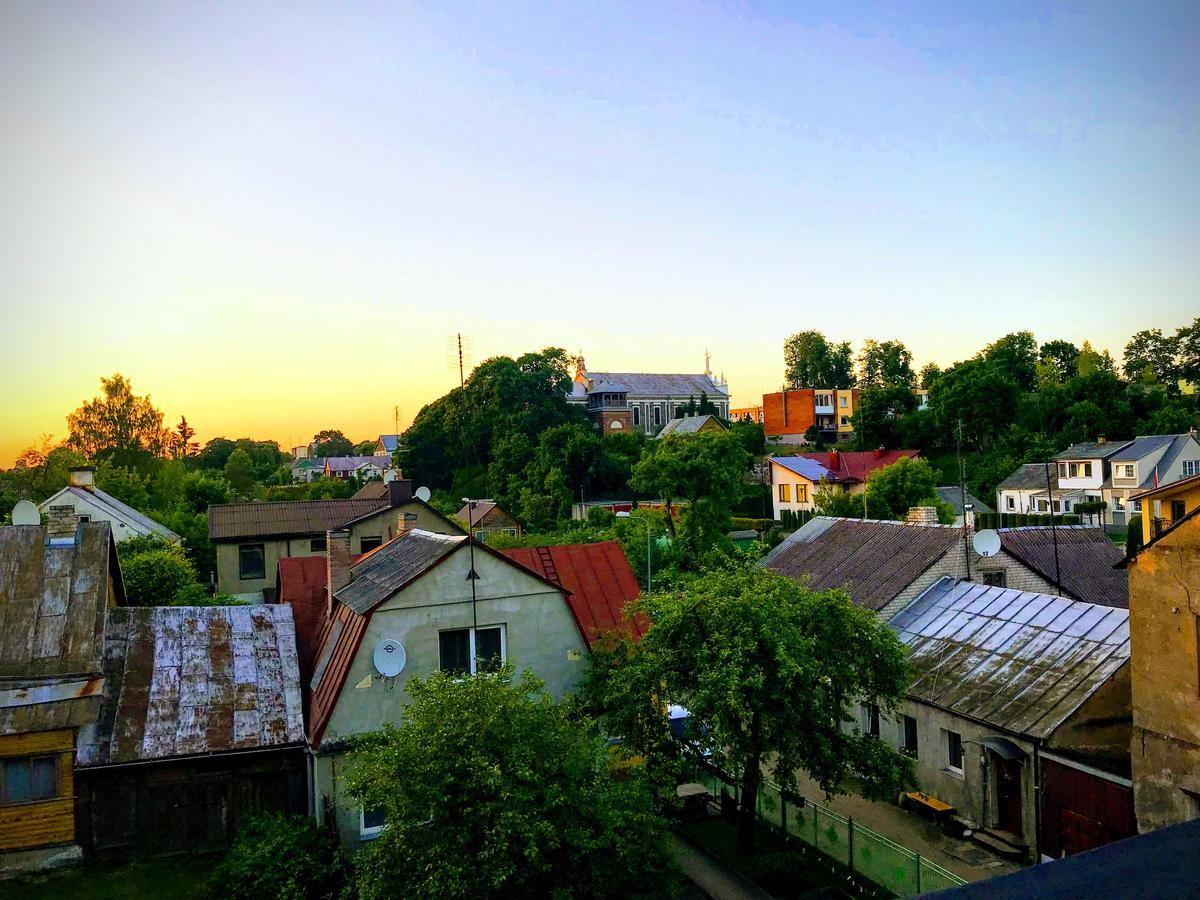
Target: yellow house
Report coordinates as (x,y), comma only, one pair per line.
(1164,506)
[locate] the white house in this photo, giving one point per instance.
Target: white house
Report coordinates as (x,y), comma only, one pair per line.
(81,501)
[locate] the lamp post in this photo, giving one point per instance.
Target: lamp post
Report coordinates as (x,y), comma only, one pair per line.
(646,522)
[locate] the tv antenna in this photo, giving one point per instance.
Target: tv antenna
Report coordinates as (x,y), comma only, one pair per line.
(460,352)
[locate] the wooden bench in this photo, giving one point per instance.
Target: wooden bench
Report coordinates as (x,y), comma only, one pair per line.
(938,809)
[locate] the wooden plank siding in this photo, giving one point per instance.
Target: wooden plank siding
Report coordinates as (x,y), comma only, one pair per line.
(43,822)
(1082,811)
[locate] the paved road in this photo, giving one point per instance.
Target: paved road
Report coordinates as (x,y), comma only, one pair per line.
(712,877)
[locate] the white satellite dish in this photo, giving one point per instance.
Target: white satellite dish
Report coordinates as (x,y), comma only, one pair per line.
(389,658)
(423,494)
(986,542)
(25,513)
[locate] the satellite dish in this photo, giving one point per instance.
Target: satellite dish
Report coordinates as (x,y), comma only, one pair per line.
(986,542)
(25,513)
(423,494)
(389,658)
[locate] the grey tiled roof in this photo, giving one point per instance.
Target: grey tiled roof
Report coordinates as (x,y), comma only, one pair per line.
(1020,661)
(1030,477)
(953,495)
(643,383)
(238,521)
(1092,450)
(384,571)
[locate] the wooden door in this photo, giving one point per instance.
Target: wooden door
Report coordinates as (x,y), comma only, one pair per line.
(1008,795)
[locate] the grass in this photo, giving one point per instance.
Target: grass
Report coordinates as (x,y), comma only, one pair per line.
(779,867)
(179,879)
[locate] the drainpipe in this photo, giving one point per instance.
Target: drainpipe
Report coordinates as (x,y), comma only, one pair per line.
(1037,804)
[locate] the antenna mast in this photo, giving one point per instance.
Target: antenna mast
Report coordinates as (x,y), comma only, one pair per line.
(962,493)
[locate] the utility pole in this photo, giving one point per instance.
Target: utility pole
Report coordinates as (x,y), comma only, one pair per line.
(962,493)
(1053,531)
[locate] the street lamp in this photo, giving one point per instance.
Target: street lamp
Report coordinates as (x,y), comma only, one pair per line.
(646,522)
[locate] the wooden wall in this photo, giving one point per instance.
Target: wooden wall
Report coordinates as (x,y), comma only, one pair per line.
(1082,811)
(43,822)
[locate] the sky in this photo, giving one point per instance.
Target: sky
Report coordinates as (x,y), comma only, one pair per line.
(273,217)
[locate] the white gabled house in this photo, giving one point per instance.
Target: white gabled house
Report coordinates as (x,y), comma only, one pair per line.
(82,501)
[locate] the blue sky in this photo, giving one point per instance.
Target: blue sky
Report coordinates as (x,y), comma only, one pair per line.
(271,216)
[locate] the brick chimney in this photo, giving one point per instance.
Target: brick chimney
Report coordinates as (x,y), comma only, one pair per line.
(337,563)
(83,477)
(880,452)
(1101,439)
(834,460)
(406,522)
(399,491)
(922,515)
(61,521)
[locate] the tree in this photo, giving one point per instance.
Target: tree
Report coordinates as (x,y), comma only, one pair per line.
(489,789)
(331,443)
(202,490)
(1015,356)
(1090,361)
(1150,356)
(901,486)
(124,484)
(979,396)
(877,417)
(929,374)
(1187,348)
(706,470)
(120,425)
(364,448)
(811,361)
(180,441)
(216,453)
(762,665)
(886,364)
(1063,356)
(239,472)
(832,500)
(154,572)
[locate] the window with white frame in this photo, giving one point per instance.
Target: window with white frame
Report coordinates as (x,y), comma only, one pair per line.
(1125,470)
(1062,470)
(1010,502)
(1086,469)
(952,742)
(470,650)
(657,415)
(636,412)
(370,822)
(1191,467)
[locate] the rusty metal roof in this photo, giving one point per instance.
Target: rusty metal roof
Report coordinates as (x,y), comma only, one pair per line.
(53,594)
(1022,662)
(188,680)
(1086,560)
(872,560)
(383,572)
(600,580)
(240,521)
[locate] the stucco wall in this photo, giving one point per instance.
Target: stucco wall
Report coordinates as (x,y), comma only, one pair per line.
(541,635)
(1164,624)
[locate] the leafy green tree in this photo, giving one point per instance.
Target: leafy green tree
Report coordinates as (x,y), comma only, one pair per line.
(216,453)
(752,436)
(704,469)
(885,364)
(832,500)
(1015,356)
(203,489)
(1173,419)
(811,361)
(979,396)
(364,448)
(118,425)
(265,456)
(1150,356)
(1091,361)
(192,528)
(126,485)
(180,443)
(331,442)
(154,577)
(239,472)
(1187,348)
(281,857)
(929,374)
(901,486)
(877,418)
(761,663)
(1063,356)
(489,789)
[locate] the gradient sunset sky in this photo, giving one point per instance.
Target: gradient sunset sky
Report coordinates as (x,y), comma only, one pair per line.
(271,217)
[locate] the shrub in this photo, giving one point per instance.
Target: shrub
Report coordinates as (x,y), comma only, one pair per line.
(278,856)
(155,577)
(198,595)
(600,517)
(1133,539)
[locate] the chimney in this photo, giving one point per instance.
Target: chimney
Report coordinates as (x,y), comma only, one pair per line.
(879,452)
(922,515)
(834,459)
(83,477)
(399,491)
(969,516)
(337,563)
(407,522)
(1101,439)
(61,521)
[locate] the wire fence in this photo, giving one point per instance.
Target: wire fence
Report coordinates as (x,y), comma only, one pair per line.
(864,852)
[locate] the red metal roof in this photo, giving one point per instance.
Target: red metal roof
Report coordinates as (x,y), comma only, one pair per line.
(599,578)
(303,584)
(856,465)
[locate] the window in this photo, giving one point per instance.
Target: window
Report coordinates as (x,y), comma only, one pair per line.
(1178,510)
(657,415)
(802,493)
(1119,502)
(910,736)
(842,402)
(845,420)
(466,650)
(636,412)
(316,544)
(83,518)
(1086,469)
(1010,502)
(28,779)
(824,400)
(1073,468)
(785,493)
(370,822)
(995,579)
(873,721)
(1191,467)
(954,751)
(252,562)
(369,543)
(1125,470)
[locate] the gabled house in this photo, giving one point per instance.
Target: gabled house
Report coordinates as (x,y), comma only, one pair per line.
(487,517)
(201,725)
(306,469)
(794,479)
(414,603)
(364,468)
(1027,490)
(692,425)
(251,538)
(54,594)
(952,495)
(387,444)
(1144,464)
(82,501)
(1018,715)
(885,565)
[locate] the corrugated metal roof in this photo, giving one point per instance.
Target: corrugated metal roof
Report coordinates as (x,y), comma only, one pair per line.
(281,518)
(1092,450)
(188,680)
(52,599)
(599,578)
(803,466)
(383,572)
(340,638)
(872,560)
(303,585)
(657,385)
(1086,558)
(1020,661)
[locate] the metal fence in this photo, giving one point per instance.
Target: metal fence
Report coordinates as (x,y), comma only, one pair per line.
(863,851)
